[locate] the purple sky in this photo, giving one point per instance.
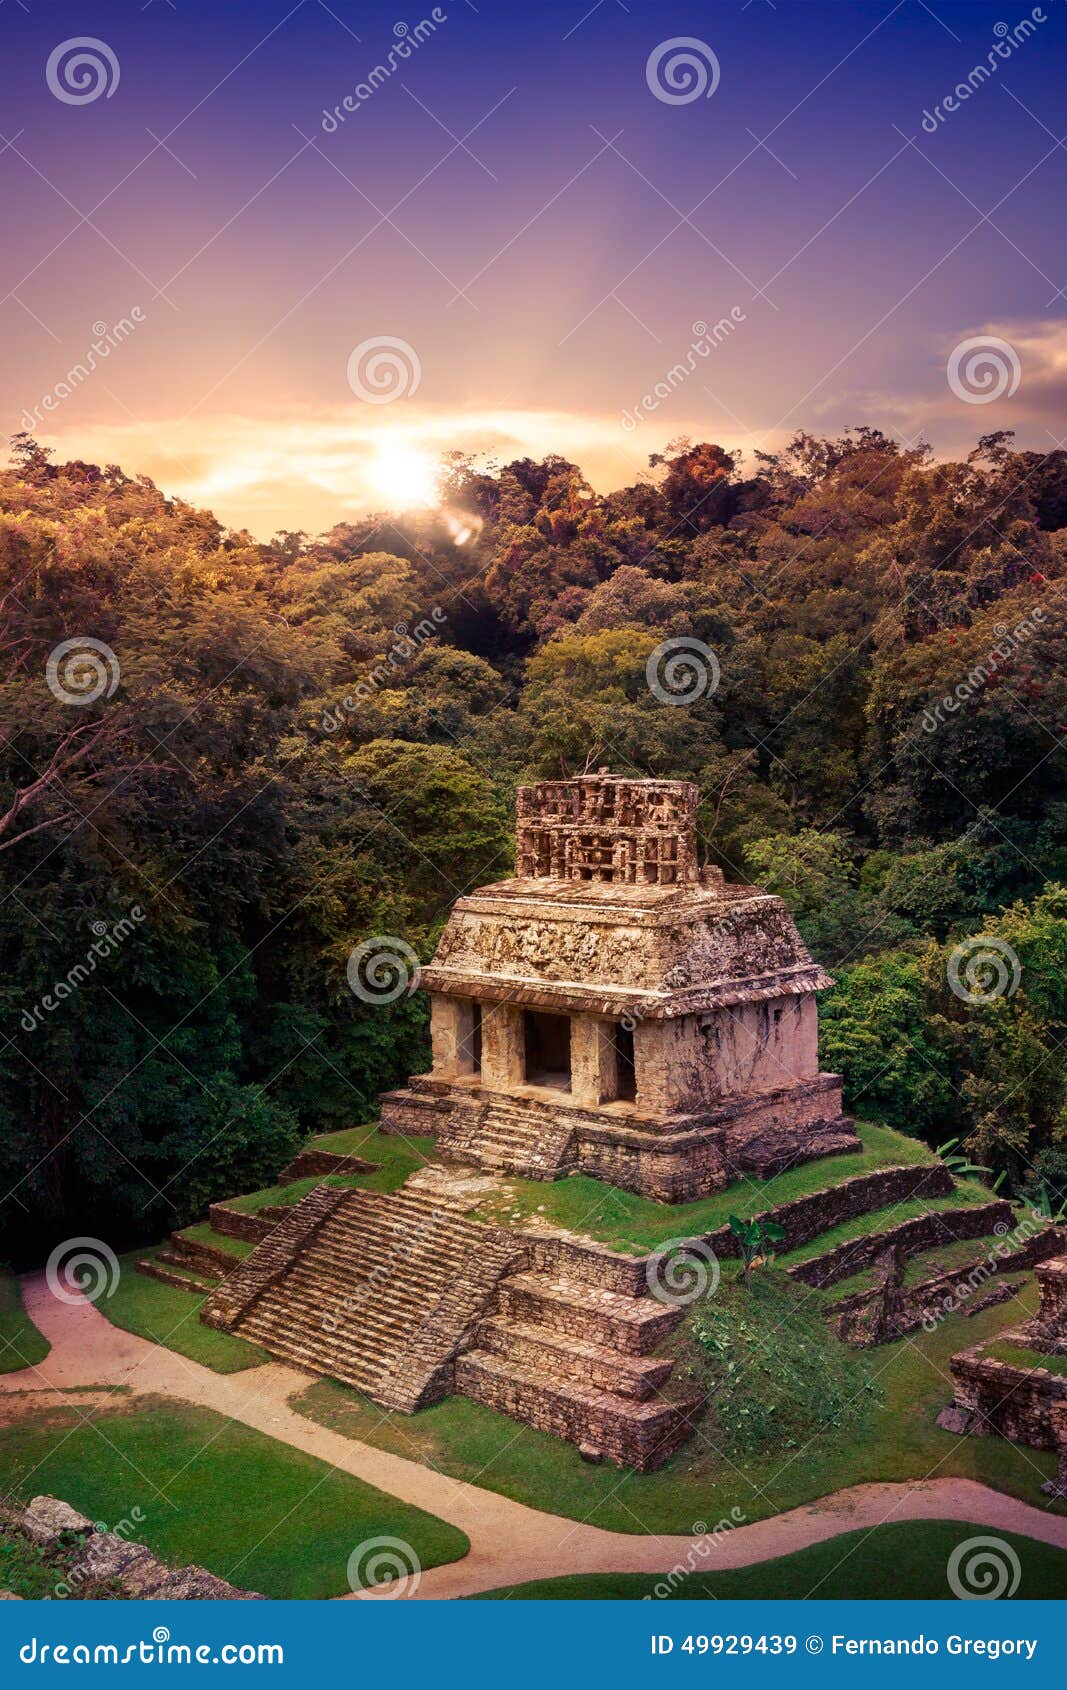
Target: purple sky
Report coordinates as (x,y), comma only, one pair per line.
(516,204)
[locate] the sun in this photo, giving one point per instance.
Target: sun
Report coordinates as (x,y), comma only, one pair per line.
(404,477)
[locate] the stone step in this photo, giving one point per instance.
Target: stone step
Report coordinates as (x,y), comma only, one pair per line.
(573,1359)
(171,1276)
(630,1434)
(633,1325)
(186,1263)
(376,1290)
(214,1258)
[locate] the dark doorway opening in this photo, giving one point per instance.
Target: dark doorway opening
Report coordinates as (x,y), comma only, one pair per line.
(470,1050)
(548,1049)
(625,1072)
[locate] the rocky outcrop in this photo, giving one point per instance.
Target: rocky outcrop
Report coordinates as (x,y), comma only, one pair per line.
(89,1559)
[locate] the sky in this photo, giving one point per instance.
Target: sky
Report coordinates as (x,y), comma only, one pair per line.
(520,234)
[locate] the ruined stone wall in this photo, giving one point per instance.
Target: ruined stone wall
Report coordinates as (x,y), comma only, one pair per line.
(668,1169)
(809,1217)
(996,1398)
(694,1062)
(924,1233)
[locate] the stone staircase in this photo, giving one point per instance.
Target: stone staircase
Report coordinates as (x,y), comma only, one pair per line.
(576,1360)
(504,1138)
(378,1291)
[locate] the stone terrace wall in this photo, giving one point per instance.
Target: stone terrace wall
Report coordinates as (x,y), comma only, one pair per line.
(996,1398)
(234,1223)
(939,1227)
(809,1217)
(312,1163)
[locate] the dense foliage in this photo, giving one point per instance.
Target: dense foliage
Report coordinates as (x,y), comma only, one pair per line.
(772,1380)
(310,742)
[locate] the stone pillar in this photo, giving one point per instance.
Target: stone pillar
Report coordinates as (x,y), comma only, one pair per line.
(594,1071)
(503,1064)
(445,1035)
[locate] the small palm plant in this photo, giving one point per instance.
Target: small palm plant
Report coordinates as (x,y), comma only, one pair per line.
(756,1240)
(957,1163)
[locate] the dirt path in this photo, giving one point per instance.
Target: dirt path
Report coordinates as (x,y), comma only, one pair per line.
(510,1543)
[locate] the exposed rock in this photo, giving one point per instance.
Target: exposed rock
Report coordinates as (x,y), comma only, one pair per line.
(880,1318)
(142,1576)
(47,1521)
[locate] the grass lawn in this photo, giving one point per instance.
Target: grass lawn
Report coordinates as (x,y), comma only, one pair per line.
(628,1222)
(897,1440)
(171,1317)
(20,1342)
(24,1568)
(201,1233)
(968,1194)
(1016,1356)
(396,1159)
(906,1559)
(266,1517)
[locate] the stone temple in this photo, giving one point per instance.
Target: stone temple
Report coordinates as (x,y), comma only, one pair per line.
(614,1011)
(618,1011)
